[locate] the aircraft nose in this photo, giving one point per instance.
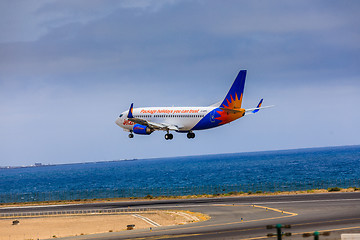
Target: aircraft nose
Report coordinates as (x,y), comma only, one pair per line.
(118,121)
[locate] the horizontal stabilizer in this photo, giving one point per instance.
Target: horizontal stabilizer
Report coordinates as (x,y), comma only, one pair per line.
(251,110)
(230,110)
(255,110)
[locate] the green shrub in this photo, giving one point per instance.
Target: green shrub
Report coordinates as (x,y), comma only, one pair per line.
(334,189)
(233,193)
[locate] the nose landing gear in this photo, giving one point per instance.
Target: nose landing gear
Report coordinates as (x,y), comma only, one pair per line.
(190,135)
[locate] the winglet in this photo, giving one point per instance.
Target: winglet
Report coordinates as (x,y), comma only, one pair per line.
(130,114)
(258,106)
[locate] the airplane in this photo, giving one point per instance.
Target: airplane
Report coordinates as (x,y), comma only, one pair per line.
(145,121)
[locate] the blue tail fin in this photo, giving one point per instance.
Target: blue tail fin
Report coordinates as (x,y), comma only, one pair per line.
(234,97)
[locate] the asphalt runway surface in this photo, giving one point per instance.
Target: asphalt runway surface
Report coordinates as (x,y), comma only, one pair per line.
(238,217)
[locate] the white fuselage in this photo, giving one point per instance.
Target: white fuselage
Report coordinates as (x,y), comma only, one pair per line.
(184,118)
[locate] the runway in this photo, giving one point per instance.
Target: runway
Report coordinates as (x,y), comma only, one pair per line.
(239,217)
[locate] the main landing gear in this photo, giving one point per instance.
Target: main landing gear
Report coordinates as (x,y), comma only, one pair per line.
(190,135)
(131,135)
(169,136)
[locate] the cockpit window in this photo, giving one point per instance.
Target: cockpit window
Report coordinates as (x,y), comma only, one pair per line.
(121,115)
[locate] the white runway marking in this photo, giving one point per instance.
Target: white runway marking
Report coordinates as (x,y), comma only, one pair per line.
(155,224)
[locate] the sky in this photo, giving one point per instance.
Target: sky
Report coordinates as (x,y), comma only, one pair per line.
(68,68)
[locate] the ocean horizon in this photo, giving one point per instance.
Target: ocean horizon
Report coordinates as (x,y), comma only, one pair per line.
(183,156)
(265,167)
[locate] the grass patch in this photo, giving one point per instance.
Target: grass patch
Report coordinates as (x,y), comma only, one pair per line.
(334,189)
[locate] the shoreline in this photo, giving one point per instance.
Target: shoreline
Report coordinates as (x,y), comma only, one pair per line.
(154,198)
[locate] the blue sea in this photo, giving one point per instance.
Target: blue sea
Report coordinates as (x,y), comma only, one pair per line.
(314,165)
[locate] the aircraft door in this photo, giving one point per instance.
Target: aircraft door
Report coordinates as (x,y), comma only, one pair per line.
(212,116)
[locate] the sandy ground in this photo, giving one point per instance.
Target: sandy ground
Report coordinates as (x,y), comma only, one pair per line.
(62,226)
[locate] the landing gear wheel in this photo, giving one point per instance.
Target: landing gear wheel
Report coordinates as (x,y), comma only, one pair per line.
(190,135)
(169,136)
(131,135)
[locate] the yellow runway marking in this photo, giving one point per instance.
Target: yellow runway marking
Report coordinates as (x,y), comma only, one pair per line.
(190,234)
(289,214)
(276,210)
(219,224)
(325,221)
(331,230)
(257,206)
(299,233)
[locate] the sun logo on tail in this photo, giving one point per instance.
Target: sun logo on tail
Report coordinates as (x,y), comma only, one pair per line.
(233,101)
(231,104)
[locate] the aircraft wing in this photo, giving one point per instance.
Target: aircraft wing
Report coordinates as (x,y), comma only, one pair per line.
(155,126)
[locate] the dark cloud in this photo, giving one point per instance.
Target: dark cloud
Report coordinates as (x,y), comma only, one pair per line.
(81,63)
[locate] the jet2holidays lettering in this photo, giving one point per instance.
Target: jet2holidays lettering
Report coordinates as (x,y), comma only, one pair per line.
(168,111)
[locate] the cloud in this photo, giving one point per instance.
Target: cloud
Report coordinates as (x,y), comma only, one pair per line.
(24,21)
(67,69)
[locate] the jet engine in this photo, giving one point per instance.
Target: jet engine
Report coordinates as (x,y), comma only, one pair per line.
(141,129)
